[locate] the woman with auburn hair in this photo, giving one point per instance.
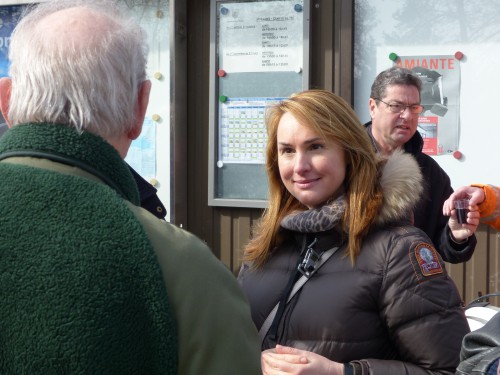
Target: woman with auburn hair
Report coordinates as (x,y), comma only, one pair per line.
(338,280)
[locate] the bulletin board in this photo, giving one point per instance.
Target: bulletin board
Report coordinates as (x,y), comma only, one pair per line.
(259,55)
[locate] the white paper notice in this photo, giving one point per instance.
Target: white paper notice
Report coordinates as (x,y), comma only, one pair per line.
(261,36)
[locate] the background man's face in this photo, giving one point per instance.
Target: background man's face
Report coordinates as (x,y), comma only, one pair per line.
(392,130)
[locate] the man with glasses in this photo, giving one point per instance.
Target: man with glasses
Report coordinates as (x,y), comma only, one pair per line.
(394,109)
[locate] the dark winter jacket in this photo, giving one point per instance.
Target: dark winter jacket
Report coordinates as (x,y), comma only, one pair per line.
(428,213)
(149,198)
(396,311)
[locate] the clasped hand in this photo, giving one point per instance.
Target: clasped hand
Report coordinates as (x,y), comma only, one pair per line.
(287,360)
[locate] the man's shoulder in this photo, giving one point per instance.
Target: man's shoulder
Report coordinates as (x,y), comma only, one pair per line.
(164,234)
(428,164)
(435,178)
(177,249)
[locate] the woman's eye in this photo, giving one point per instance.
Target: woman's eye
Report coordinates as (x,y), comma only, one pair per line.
(286,150)
(316,146)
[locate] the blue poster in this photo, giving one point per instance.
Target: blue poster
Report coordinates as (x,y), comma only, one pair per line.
(9,15)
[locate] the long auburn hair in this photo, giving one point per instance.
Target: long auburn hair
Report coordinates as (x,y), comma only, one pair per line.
(332,118)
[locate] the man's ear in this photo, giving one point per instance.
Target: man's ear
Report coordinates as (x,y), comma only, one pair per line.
(5,89)
(140,109)
(372,103)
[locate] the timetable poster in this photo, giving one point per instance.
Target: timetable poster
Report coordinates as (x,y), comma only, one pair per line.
(242,132)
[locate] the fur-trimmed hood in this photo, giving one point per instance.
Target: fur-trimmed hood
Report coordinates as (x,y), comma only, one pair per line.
(401,183)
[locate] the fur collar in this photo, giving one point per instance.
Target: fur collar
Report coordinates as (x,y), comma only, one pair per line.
(401,183)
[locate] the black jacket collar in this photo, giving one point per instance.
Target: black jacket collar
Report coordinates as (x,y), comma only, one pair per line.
(414,146)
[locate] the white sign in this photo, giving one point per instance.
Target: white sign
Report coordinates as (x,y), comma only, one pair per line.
(261,36)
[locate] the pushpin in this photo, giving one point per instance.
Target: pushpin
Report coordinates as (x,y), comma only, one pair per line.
(153,182)
(224,11)
(156,117)
(158,75)
(459,55)
(297,8)
(393,56)
(222,98)
(457,155)
(221,73)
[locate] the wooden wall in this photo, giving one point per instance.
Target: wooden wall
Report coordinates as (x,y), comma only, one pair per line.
(481,274)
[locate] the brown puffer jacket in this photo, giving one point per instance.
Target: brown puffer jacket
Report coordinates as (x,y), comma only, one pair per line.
(396,311)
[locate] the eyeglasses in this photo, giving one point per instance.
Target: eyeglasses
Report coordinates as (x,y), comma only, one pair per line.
(400,108)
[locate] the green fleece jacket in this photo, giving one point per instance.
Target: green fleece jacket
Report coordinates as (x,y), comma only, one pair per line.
(92,283)
(81,290)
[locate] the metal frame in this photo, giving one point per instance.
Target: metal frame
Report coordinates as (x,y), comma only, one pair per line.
(178,113)
(213,103)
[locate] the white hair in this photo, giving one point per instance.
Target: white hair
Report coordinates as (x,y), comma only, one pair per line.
(93,85)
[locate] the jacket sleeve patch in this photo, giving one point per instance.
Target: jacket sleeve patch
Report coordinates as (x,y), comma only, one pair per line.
(425,260)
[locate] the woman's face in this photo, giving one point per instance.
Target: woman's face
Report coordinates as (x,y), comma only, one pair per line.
(311,168)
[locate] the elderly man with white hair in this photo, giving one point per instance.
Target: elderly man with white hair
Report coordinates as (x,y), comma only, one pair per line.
(91,283)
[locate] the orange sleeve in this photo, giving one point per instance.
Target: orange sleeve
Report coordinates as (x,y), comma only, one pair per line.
(490,208)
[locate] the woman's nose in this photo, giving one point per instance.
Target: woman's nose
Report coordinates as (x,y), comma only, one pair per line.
(302,163)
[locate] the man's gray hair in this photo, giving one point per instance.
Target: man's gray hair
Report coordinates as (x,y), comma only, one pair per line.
(395,75)
(93,85)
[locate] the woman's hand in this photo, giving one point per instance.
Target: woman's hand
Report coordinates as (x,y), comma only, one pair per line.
(287,360)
